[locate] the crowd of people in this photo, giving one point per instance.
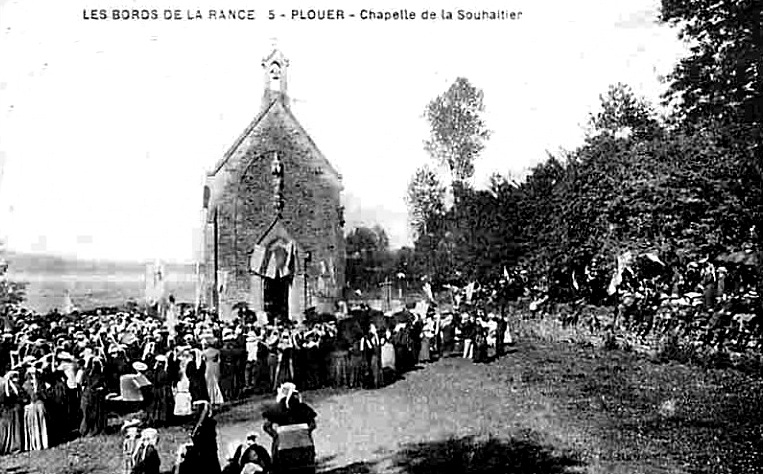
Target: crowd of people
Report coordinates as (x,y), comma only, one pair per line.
(66,375)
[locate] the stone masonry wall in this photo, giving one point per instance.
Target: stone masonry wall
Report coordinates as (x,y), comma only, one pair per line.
(242,195)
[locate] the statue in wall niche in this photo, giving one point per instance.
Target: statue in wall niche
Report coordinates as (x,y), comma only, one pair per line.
(340,213)
(277,166)
(277,171)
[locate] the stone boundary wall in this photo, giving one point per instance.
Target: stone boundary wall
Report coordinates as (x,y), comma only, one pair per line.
(594,327)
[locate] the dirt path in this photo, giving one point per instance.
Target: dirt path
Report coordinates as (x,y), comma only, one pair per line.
(373,431)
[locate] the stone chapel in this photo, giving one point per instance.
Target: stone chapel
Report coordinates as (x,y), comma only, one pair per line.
(273,227)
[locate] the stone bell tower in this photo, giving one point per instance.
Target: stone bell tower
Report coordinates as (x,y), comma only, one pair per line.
(275,68)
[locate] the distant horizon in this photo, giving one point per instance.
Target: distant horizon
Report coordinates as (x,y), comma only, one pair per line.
(9,253)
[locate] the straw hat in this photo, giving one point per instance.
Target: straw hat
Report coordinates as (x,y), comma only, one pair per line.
(139,366)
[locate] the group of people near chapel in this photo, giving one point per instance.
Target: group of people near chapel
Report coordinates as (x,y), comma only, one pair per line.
(64,375)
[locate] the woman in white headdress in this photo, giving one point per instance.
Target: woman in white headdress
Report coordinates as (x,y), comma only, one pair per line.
(35,424)
(291,422)
(162,399)
(92,399)
(146,459)
(11,414)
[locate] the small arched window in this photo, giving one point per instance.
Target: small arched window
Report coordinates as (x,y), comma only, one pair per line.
(274,72)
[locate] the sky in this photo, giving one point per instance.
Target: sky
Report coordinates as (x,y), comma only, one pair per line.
(107,128)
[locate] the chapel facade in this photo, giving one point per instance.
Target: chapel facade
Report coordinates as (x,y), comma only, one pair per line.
(273,220)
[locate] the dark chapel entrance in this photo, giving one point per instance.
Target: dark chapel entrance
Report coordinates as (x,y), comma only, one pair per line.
(276,298)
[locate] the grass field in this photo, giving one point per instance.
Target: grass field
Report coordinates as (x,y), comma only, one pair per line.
(91,283)
(546,408)
(45,292)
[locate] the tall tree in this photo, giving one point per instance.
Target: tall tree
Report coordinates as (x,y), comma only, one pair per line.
(457,129)
(425,199)
(369,259)
(719,85)
(624,114)
(722,78)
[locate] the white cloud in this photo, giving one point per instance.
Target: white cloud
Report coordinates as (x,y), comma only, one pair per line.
(109,126)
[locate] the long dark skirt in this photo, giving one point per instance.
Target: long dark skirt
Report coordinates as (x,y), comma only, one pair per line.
(299,458)
(311,363)
(424,353)
(375,371)
(162,406)
(12,429)
(338,368)
(93,408)
(74,414)
(388,376)
(295,460)
(56,406)
(285,369)
(355,375)
(262,378)
(35,427)
(480,351)
(272,370)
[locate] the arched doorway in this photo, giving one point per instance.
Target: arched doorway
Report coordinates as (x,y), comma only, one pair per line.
(276,298)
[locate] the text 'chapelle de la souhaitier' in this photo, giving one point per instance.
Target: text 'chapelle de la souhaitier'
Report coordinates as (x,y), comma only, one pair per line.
(297,14)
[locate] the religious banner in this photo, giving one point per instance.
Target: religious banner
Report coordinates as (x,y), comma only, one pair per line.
(155,277)
(257,260)
(222,282)
(287,268)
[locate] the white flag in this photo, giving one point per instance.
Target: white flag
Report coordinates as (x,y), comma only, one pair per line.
(469,292)
(428,291)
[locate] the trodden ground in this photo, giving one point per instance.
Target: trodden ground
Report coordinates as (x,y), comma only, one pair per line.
(544,408)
